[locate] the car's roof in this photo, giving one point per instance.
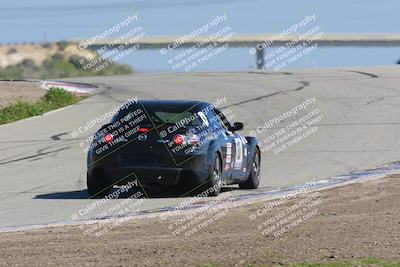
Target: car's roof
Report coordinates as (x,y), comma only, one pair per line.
(182,103)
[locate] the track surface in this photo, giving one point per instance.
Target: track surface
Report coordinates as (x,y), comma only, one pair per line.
(43,171)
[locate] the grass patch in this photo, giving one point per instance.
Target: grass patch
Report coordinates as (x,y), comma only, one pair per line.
(55,98)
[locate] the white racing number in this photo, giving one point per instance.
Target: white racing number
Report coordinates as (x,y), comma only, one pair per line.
(239,153)
(203,118)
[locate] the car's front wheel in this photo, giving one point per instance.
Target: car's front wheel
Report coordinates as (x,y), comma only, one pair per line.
(253,180)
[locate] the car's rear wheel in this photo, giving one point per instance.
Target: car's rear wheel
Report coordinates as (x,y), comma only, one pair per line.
(253,180)
(96,188)
(213,185)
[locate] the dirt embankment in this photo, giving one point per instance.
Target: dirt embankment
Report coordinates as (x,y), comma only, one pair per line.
(356,221)
(12,92)
(14,54)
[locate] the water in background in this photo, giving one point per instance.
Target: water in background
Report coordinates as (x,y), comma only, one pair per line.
(47,20)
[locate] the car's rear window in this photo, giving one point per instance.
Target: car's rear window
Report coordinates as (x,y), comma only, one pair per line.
(161,115)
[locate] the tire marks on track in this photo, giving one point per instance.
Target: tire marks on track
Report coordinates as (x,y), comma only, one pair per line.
(303,85)
(39,153)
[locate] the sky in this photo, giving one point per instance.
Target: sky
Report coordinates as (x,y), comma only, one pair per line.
(43,21)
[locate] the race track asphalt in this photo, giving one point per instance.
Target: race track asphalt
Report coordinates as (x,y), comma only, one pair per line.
(43,168)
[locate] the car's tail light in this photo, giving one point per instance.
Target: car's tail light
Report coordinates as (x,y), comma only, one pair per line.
(143,130)
(108,138)
(179,139)
(192,139)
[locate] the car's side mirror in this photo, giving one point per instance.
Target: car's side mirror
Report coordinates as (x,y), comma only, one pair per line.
(237,126)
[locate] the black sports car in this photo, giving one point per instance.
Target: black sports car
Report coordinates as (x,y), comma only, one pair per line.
(171,143)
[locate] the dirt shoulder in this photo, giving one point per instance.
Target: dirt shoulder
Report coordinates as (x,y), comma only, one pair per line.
(11,92)
(353,222)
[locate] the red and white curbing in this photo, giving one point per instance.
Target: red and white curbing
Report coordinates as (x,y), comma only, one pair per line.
(76,88)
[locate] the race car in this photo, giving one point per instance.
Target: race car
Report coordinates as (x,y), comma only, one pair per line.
(161,143)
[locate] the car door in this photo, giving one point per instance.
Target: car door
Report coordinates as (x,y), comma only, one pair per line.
(236,148)
(225,141)
(240,159)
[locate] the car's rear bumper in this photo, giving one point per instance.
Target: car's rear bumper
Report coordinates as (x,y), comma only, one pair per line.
(149,177)
(113,170)
(146,176)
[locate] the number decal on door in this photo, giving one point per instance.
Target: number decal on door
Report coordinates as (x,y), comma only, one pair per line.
(238,154)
